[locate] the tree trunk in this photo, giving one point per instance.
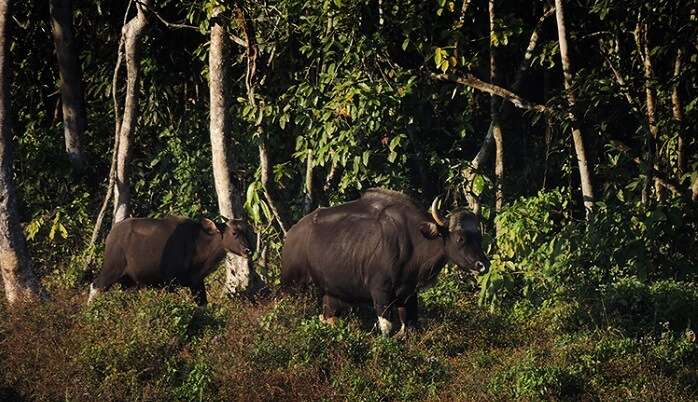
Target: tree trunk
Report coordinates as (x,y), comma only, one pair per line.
(483,153)
(580,149)
(677,112)
(268,185)
(74,119)
(650,102)
(239,273)
(17,275)
(494,115)
(132,32)
(309,198)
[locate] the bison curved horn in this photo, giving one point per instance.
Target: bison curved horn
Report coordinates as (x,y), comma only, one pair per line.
(435,212)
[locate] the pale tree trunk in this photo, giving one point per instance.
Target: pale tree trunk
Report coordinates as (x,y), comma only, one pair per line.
(650,102)
(580,149)
(132,32)
(483,153)
(494,115)
(309,197)
(17,275)
(239,273)
(74,120)
(677,112)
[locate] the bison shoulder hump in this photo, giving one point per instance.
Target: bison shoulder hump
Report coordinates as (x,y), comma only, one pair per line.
(387,197)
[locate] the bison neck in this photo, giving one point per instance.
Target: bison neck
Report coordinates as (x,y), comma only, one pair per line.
(430,259)
(211,255)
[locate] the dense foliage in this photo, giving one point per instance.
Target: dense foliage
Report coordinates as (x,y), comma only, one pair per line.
(573,308)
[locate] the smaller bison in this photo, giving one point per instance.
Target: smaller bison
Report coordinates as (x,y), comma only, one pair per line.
(168,252)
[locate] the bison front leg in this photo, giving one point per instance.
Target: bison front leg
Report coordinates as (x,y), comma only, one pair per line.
(407,312)
(382,302)
(199,293)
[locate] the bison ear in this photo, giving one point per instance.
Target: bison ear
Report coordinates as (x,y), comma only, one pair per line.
(209,227)
(429,229)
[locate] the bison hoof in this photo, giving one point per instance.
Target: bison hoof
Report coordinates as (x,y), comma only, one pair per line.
(329,321)
(385,326)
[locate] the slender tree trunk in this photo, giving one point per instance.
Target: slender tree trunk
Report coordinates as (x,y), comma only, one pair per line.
(132,32)
(74,120)
(677,112)
(650,102)
(494,115)
(309,199)
(269,187)
(484,151)
(17,275)
(580,149)
(239,272)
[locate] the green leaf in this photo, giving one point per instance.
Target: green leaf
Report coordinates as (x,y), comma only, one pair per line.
(478,184)
(366,156)
(437,56)
(392,156)
(394,142)
(250,194)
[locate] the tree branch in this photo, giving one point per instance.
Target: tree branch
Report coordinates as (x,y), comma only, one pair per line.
(476,83)
(663,180)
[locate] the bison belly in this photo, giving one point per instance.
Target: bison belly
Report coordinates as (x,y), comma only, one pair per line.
(347,258)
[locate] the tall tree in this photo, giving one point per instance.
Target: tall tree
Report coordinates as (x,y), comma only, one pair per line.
(238,269)
(17,275)
(132,32)
(483,153)
(577,137)
(74,120)
(271,192)
(494,115)
(643,49)
(677,112)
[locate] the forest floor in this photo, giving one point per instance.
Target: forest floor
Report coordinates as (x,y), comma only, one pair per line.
(154,345)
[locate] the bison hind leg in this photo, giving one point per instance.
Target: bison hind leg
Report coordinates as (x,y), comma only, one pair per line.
(331,309)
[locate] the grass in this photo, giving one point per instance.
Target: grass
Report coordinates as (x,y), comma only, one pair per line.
(153,345)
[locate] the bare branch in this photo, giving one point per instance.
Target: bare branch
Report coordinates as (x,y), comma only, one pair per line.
(476,83)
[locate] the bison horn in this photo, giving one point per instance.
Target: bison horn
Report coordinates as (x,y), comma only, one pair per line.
(435,212)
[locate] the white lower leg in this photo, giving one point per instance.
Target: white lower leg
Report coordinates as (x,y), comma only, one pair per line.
(385,325)
(402,332)
(93,292)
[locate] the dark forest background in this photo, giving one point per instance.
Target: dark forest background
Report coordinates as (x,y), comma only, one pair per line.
(592,292)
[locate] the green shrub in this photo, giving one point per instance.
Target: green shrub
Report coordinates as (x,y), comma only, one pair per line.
(531,379)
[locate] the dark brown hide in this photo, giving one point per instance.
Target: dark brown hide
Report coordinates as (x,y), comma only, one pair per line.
(380,248)
(173,251)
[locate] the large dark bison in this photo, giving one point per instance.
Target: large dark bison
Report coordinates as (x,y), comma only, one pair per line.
(380,248)
(166,252)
